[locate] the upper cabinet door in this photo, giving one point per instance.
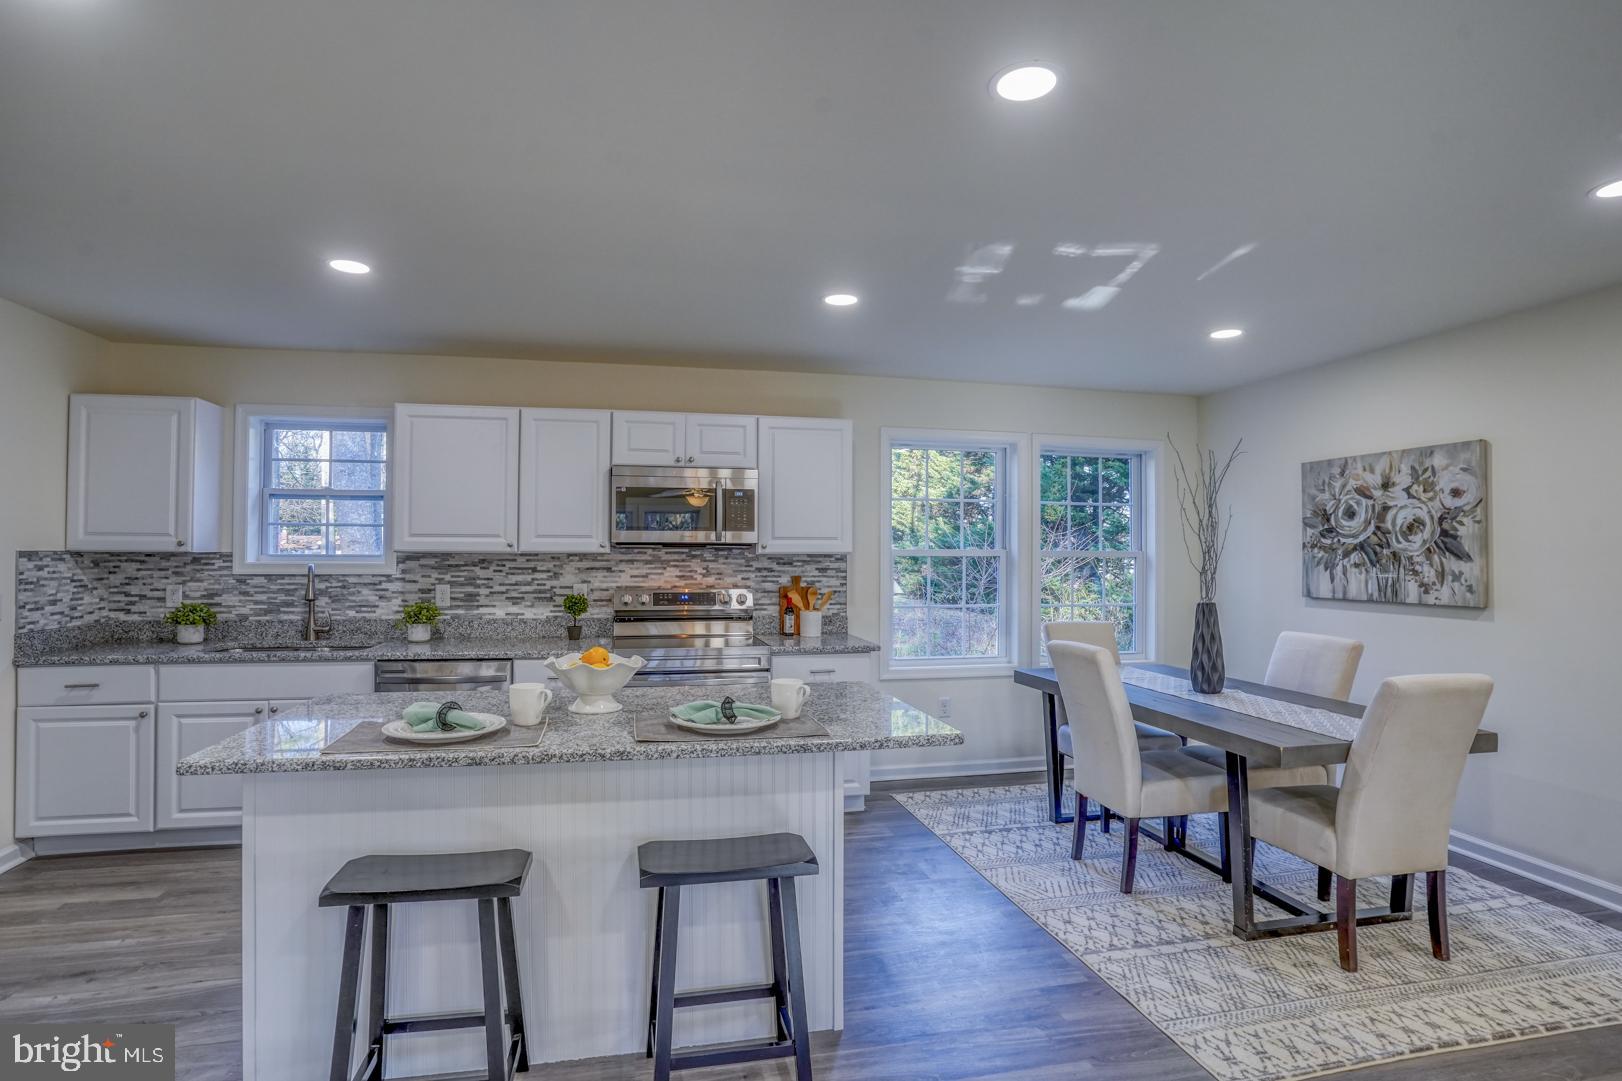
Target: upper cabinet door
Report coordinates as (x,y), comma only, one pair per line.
(455,478)
(143,474)
(805,485)
(563,494)
(650,438)
(720,440)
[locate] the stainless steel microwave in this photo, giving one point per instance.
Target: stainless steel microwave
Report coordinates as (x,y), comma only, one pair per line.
(674,505)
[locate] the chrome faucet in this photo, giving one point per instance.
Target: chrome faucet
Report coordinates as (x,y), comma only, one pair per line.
(309,604)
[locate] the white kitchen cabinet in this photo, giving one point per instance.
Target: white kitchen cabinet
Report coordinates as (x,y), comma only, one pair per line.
(185,729)
(455,478)
(85,769)
(699,439)
(805,485)
(563,479)
(649,438)
(143,474)
(721,441)
(826,667)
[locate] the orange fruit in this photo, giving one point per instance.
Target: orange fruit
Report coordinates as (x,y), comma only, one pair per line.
(597,657)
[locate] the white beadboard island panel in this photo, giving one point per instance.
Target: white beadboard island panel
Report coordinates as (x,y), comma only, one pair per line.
(583,925)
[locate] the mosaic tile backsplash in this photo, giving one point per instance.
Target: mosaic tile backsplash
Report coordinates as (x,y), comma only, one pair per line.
(60,591)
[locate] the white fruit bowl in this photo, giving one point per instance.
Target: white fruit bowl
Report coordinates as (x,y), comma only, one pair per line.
(595,686)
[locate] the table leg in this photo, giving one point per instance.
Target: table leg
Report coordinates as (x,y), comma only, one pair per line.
(1054,760)
(1241,855)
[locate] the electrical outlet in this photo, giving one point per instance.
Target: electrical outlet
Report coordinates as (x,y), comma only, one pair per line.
(173,595)
(946,707)
(442,595)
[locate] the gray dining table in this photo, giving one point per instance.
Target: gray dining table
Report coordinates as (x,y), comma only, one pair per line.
(1248,741)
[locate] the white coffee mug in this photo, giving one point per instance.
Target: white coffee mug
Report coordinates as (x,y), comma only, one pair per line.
(810,625)
(789,695)
(528,702)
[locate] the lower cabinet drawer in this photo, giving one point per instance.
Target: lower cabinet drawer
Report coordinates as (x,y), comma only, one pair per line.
(259,682)
(86,685)
(85,769)
(826,667)
(184,729)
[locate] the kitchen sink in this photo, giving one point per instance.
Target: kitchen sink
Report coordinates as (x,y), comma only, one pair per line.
(298,647)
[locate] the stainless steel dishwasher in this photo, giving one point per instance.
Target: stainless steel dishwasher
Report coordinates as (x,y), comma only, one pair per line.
(440,675)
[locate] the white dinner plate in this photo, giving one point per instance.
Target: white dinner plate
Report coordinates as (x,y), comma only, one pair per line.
(493,722)
(724,729)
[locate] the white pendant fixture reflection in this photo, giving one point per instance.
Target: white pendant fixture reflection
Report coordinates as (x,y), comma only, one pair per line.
(349,266)
(1226,334)
(1613,190)
(841,300)
(1025,82)
(697,497)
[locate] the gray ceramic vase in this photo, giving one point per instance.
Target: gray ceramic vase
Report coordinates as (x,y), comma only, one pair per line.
(1206,671)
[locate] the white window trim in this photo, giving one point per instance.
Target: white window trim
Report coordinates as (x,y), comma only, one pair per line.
(248,484)
(1145,498)
(1016,449)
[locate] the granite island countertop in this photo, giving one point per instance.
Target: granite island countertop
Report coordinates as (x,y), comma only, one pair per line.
(392,649)
(858,716)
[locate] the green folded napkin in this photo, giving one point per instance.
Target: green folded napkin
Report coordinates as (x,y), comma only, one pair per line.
(420,716)
(710,713)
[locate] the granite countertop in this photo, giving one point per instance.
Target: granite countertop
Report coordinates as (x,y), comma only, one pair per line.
(858,716)
(393,649)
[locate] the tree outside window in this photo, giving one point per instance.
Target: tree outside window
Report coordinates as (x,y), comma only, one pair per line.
(1090,539)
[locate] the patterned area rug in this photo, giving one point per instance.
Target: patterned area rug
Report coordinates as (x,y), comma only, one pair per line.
(1282,1008)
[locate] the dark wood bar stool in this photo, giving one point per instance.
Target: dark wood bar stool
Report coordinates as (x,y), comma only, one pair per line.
(778,858)
(376,882)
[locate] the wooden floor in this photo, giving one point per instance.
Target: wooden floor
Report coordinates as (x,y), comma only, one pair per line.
(945,978)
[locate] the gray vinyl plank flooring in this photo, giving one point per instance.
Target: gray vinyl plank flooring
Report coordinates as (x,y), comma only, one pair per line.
(946,980)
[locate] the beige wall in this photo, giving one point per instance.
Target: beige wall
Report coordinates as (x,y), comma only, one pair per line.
(1000,720)
(42,360)
(1544,387)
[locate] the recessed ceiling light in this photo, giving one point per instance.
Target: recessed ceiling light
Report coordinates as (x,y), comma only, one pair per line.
(840,300)
(349,266)
(1226,334)
(1613,190)
(1027,82)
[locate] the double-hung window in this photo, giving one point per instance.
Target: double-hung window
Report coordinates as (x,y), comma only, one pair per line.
(314,490)
(1092,562)
(948,562)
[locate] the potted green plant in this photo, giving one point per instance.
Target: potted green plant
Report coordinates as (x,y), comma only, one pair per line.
(575,606)
(191,622)
(418,619)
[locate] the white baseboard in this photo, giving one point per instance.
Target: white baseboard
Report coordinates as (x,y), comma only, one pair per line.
(916,771)
(1561,878)
(13,856)
(137,842)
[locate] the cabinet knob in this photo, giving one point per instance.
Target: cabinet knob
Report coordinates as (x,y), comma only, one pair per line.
(509,544)
(275,709)
(603,544)
(142,713)
(259,709)
(689,457)
(180,544)
(678,459)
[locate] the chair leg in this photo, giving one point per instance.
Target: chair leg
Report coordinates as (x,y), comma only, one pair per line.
(375,1009)
(1402,893)
(796,981)
(1222,843)
(509,980)
(665,994)
(653,991)
(1346,921)
(1436,909)
(1103,818)
(1168,832)
(1129,858)
(348,992)
(1325,878)
(1078,836)
(774,908)
(495,1044)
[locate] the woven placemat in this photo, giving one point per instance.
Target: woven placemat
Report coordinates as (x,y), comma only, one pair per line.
(651,727)
(368,738)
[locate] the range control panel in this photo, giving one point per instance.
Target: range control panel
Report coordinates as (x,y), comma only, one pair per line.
(643,599)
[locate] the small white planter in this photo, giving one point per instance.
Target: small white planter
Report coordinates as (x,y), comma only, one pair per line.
(810,624)
(189,634)
(419,632)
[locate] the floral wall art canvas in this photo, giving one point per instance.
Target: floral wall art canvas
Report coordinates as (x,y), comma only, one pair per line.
(1401,527)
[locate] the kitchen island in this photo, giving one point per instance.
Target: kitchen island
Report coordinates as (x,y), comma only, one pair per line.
(581,801)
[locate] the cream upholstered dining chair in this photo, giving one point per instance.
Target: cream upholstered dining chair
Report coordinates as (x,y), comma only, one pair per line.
(1392,811)
(1110,766)
(1316,664)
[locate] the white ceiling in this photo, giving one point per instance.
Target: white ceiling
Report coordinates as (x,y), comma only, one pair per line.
(694,176)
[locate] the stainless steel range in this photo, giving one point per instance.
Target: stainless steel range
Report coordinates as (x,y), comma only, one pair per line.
(690,635)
